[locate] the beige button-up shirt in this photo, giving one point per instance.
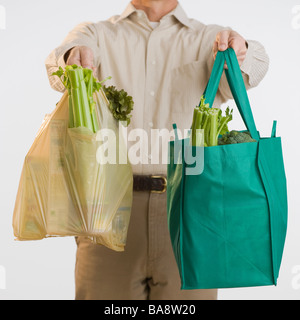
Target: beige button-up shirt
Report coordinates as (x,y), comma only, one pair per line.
(165,68)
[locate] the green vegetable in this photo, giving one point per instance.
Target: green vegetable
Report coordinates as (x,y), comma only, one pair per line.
(81,86)
(235,137)
(212,122)
(121,104)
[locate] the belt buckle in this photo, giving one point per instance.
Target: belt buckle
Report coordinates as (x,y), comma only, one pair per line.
(164,184)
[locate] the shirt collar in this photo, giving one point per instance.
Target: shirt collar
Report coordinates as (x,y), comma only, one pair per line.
(181,16)
(127,12)
(178,13)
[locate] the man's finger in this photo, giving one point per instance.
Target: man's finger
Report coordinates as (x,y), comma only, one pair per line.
(222,40)
(238,44)
(228,38)
(87,57)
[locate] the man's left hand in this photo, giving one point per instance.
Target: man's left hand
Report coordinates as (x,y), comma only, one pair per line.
(231,39)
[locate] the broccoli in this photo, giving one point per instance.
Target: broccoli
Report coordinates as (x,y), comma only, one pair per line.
(234,137)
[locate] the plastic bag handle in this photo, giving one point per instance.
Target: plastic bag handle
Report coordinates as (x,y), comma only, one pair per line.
(236,84)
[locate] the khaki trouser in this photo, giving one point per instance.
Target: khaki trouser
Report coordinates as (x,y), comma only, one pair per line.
(147,269)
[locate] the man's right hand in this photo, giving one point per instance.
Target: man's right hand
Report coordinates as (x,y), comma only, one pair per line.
(81,56)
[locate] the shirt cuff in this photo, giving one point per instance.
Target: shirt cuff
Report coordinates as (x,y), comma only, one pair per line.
(246,65)
(61,60)
(256,63)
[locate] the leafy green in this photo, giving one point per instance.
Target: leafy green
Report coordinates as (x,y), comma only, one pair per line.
(121,104)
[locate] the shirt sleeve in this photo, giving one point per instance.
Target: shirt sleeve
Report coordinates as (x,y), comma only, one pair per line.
(84,34)
(256,64)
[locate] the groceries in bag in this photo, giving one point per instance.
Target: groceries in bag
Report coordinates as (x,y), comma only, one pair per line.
(228,223)
(64,189)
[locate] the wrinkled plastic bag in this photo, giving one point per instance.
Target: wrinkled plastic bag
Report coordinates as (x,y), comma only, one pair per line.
(65,190)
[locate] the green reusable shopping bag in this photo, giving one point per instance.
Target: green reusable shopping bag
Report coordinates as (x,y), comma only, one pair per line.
(228,224)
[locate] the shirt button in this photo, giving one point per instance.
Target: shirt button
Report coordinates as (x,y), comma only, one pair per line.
(152,93)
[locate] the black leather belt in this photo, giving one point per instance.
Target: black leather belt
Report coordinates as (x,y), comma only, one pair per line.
(154,184)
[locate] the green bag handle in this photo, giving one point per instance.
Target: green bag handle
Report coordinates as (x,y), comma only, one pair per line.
(236,84)
(273,134)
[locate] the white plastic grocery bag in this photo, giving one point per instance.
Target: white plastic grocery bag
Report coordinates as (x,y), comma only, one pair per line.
(66,191)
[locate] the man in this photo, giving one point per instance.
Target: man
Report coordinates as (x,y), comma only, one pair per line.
(163,59)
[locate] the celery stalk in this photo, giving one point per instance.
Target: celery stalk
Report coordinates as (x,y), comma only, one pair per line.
(75,94)
(76,100)
(90,87)
(81,86)
(207,132)
(79,98)
(96,126)
(211,121)
(198,125)
(194,127)
(213,136)
(71,115)
(86,112)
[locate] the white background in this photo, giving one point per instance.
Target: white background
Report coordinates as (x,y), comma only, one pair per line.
(45,269)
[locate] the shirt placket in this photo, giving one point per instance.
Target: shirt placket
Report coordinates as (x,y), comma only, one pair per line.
(151,88)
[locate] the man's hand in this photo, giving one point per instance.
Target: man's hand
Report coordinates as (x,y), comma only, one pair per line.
(231,39)
(81,56)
